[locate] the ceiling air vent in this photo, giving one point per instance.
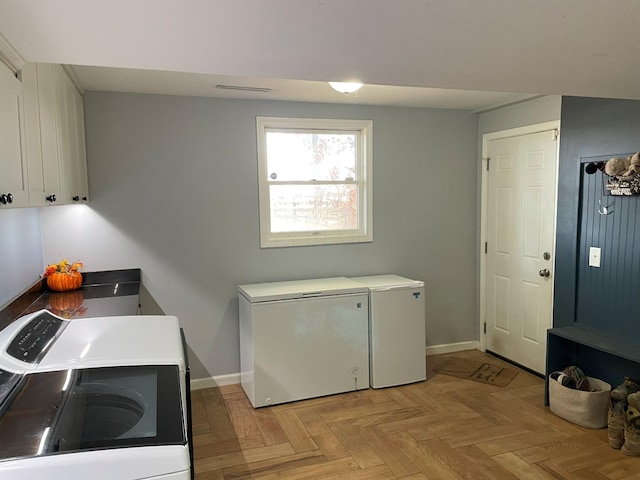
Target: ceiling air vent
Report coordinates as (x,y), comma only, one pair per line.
(244,89)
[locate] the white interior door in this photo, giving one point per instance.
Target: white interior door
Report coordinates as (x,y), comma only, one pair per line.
(520,231)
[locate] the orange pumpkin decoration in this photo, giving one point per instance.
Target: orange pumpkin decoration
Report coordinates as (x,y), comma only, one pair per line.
(66,301)
(62,282)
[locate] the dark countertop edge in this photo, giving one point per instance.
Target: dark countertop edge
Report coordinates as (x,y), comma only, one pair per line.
(20,305)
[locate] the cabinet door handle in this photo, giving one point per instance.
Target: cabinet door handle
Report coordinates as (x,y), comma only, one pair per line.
(9,198)
(51,198)
(75,198)
(3,199)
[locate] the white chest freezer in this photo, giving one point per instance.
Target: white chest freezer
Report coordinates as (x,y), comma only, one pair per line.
(397,330)
(303,339)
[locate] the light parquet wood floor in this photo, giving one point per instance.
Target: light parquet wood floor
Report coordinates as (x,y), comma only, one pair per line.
(444,428)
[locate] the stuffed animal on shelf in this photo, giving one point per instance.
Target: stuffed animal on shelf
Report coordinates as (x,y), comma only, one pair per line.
(623,167)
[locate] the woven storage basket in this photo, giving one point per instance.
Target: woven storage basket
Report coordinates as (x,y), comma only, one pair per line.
(587,409)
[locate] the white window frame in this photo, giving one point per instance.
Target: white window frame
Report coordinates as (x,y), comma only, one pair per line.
(364,180)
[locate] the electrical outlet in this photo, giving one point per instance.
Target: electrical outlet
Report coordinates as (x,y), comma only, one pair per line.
(594,257)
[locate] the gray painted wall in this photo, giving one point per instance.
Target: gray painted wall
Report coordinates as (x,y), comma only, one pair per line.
(173,184)
(21,252)
(531,112)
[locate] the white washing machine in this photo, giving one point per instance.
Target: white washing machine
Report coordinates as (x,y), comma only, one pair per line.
(101,398)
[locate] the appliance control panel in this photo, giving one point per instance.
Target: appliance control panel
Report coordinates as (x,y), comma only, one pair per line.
(36,337)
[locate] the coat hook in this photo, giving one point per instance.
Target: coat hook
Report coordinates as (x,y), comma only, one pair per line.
(603,210)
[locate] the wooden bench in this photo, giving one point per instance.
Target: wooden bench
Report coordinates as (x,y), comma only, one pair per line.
(598,353)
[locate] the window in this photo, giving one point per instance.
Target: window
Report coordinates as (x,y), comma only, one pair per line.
(314,181)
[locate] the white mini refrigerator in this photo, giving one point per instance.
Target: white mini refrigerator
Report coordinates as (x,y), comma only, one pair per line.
(303,339)
(397,331)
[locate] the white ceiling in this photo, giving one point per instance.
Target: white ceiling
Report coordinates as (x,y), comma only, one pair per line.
(470,48)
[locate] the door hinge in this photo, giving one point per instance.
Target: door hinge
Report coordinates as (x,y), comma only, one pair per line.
(488,160)
(486,248)
(555,134)
(485,328)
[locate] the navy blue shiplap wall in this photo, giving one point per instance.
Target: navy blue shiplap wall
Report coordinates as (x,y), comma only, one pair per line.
(606,298)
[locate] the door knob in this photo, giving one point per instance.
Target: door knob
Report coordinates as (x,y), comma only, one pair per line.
(544,273)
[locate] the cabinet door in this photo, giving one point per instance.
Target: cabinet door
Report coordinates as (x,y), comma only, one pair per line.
(72,146)
(13,174)
(41,132)
(79,182)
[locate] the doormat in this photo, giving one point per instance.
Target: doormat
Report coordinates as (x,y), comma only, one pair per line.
(483,372)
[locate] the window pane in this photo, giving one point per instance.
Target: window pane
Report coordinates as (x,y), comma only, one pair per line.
(308,208)
(311,156)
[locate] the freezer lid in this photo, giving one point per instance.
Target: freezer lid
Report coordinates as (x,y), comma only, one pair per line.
(267,292)
(383,282)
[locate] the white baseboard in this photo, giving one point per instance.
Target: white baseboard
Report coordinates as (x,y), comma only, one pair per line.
(234,378)
(217,381)
(453,347)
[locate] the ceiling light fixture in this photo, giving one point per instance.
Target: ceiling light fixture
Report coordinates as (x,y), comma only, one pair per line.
(346,87)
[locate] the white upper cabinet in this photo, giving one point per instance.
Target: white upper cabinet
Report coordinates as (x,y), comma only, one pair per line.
(71,130)
(55,136)
(45,173)
(13,166)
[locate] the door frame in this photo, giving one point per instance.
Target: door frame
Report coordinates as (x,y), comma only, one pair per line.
(486,138)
